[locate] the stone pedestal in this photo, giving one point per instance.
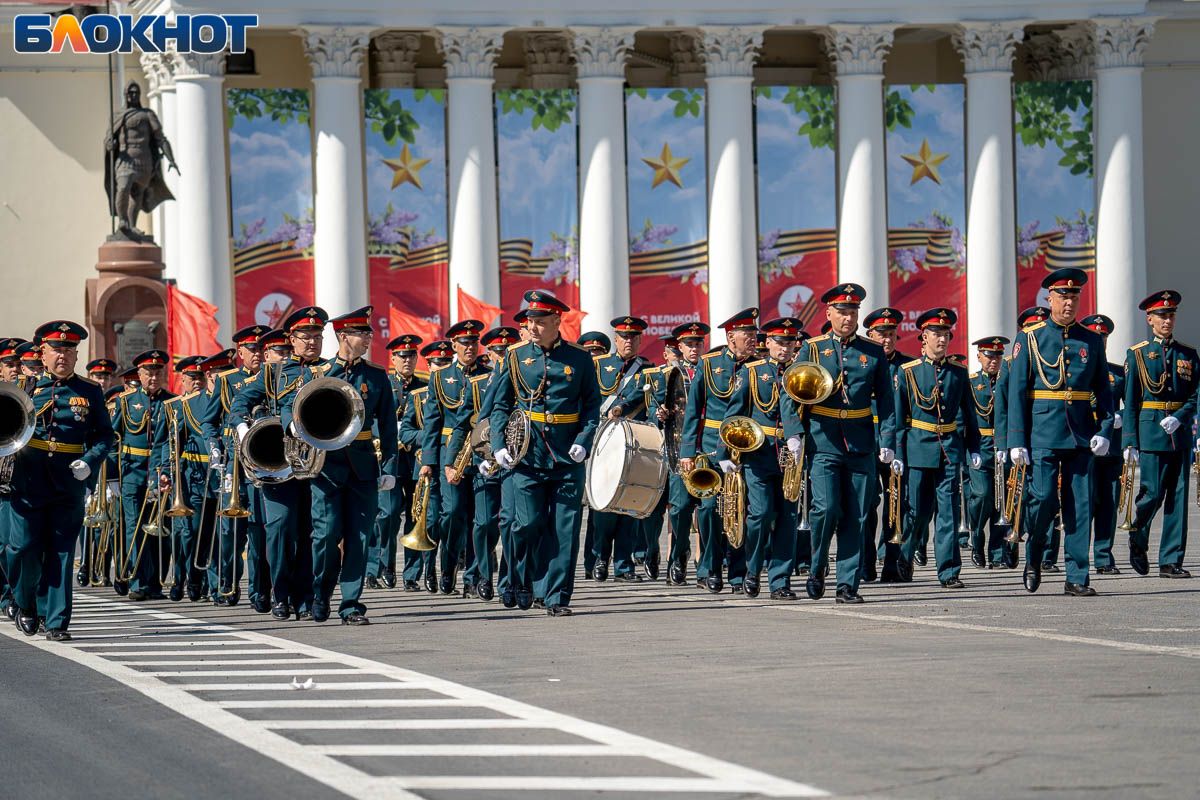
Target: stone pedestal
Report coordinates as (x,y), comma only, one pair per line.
(126,305)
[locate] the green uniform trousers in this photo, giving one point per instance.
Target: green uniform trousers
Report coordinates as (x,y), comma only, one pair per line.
(987,535)
(770,527)
(1075,467)
(680,510)
(141,552)
(41,555)
(486,531)
(456,519)
(1165,484)
(341,513)
(932,498)
(1106,488)
(841,496)
(547,505)
(287,519)
(615,533)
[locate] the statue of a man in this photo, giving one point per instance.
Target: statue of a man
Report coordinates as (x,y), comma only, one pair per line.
(132,173)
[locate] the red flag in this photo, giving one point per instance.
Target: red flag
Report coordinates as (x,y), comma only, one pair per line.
(572,321)
(472,308)
(400,322)
(191,328)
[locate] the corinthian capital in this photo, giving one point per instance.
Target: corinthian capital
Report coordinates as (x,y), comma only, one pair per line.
(600,52)
(858,49)
(988,46)
(159,69)
(336,52)
(470,52)
(730,50)
(1120,42)
(199,65)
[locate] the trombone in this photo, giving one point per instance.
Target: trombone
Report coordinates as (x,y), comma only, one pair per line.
(233,509)
(998,499)
(179,506)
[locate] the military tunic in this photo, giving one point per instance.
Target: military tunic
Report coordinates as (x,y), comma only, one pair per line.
(138,417)
(381,556)
(681,505)
(889,554)
(418,563)
(199,485)
(1106,481)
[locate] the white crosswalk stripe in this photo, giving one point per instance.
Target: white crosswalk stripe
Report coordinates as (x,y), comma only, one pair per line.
(330,689)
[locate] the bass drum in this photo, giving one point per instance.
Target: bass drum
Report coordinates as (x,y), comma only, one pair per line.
(626,472)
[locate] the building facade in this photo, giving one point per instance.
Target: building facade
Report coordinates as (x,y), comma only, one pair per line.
(852,78)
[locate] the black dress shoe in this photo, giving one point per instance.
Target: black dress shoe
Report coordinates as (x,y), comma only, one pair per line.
(920,558)
(1032,577)
(10,610)
(121,588)
(468,590)
(627,577)
(750,586)
(157,594)
(735,588)
(485,591)
(508,598)
(320,611)
(355,618)
(539,602)
(714,584)
(525,598)
(431,581)
(558,611)
(1011,556)
(1078,590)
(1138,559)
(58,635)
(904,571)
(137,595)
(412,586)
(848,595)
(676,574)
(600,573)
(219,599)
(651,569)
(952,583)
(1173,571)
(388,579)
(281,611)
(261,605)
(82,576)
(193,593)
(450,581)
(802,570)
(176,593)
(1049,567)
(303,615)
(815,586)
(994,565)
(1107,571)
(783,594)
(27,622)
(889,576)
(638,561)
(870,572)
(977,559)
(371,582)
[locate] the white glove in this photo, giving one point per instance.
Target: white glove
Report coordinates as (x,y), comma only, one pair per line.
(227,483)
(795,445)
(216,459)
(577,453)
(1019,455)
(728,467)
(1132,455)
(1001,457)
(1117,422)
(503,458)
(1169,424)
(1099,445)
(242,428)
(886,455)
(79,469)
(976,461)
(386,483)
(897,466)
(487,466)
(87,499)
(113,489)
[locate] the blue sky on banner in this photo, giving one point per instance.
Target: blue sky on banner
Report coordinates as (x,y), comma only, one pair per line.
(938,119)
(537,178)
(421,208)
(650,122)
(796,182)
(271,176)
(1045,189)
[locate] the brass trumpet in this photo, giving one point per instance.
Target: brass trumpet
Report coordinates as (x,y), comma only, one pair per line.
(893,498)
(418,537)
(1015,501)
(998,499)
(1126,500)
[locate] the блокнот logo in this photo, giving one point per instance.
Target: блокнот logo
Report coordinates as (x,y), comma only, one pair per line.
(121,33)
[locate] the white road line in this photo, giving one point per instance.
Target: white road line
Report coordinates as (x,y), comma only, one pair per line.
(237,673)
(215,662)
(320,763)
(464,723)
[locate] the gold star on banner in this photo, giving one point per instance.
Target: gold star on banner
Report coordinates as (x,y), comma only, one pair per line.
(925,163)
(406,168)
(666,167)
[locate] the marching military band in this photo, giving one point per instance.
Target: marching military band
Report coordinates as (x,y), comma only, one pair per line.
(774,453)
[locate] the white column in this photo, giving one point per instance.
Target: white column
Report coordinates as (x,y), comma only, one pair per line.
(474,228)
(987,51)
(732,224)
(339,214)
(205,261)
(603,208)
(159,69)
(1120,206)
(858,53)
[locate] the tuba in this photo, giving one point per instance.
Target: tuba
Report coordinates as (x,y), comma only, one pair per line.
(327,414)
(263,451)
(741,435)
(418,537)
(17,422)
(807,382)
(702,481)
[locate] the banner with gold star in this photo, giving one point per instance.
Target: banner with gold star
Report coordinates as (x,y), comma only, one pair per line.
(405,155)
(539,217)
(271,203)
(666,171)
(927,207)
(797,201)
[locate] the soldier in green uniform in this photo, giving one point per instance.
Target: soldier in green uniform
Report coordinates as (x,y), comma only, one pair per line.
(844,440)
(447,429)
(598,345)
(103,371)
(70,439)
(1058,368)
(138,416)
(622,377)
(682,506)
(554,382)
(225,381)
(10,370)
(381,556)
(30,359)
(882,326)
(1106,474)
(1161,376)
(10,362)
(936,436)
(770,518)
(709,402)
(987,534)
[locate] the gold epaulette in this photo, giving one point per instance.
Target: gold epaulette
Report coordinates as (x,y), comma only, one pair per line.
(816,339)
(174,399)
(597,358)
(127,391)
(1033,327)
(515,345)
(320,369)
(973,376)
(88,380)
(756,363)
(478,378)
(226,372)
(910,364)
(710,355)
(418,391)
(421,374)
(649,370)
(1140,344)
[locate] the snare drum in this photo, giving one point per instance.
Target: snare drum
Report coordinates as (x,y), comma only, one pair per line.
(626,472)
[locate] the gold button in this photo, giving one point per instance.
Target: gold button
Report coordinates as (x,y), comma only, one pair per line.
(549,418)
(53,446)
(1068,395)
(842,413)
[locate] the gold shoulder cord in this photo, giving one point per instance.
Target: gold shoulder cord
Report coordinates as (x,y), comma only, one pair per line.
(1041,362)
(708,382)
(770,406)
(190,417)
(1154,387)
(984,411)
(441,393)
(922,402)
(520,383)
(606,390)
(130,427)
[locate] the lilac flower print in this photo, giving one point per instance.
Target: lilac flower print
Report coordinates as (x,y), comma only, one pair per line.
(250,234)
(563,252)
(651,237)
(1027,243)
(295,232)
